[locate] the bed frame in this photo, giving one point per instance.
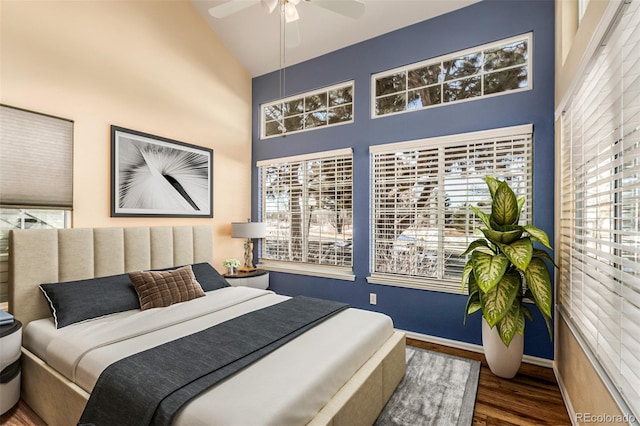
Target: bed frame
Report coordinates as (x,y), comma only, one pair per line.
(57,255)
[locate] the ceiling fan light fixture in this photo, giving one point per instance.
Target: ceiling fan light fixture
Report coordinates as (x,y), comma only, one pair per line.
(290,12)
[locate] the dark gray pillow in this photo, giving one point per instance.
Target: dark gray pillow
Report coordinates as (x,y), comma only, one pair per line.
(208,277)
(76,301)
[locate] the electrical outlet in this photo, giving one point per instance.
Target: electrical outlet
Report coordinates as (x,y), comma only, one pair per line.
(373,298)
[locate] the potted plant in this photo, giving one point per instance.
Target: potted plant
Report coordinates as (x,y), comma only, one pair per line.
(505,269)
(231,265)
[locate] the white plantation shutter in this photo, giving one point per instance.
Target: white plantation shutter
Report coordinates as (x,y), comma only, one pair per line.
(307,205)
(599,254)
(421,193)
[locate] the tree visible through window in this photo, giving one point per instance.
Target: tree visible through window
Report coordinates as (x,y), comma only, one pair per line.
(307,206)
(326,107)
(422,191)
(486,70)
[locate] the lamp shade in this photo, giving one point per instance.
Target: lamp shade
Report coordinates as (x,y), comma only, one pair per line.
(248,230)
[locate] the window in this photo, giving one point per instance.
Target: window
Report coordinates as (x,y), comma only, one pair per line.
(35,177)
(421,193)
(599,245)
(484,71)
(24,219)
(307,206)
(327,107)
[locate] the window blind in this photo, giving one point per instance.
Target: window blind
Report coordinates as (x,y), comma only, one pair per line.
(307,205)
(421,197)
(36,155)
(599,253)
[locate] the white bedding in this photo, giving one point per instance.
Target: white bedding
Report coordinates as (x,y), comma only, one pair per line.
(287,387)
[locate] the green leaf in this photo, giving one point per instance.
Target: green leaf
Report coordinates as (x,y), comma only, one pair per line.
(520,326)
(499,237)
(482,215)
(474,245)
(505,228)
(539,282)
(544,256)
(466,272)
(512,323)
(521,202)
(497,301)
(538,235)
(519,253)
(473,305)
(488,269)
(526,313)
(504,209)
(473,285)
(492,183)
(473,301)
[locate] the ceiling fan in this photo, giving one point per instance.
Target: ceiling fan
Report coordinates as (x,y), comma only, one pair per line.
(350,8)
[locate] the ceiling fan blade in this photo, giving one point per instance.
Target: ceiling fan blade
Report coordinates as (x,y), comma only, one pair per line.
(351,8)
(270,4)
(291,34)
(229,8)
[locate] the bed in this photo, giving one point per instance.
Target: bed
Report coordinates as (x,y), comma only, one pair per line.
(341,372)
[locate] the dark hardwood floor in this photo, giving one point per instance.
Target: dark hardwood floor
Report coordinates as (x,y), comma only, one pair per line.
(530,398)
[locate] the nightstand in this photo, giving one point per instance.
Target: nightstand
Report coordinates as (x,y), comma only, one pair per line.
(10,343)
(256,279)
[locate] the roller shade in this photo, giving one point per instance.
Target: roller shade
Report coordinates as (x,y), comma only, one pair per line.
(36,167)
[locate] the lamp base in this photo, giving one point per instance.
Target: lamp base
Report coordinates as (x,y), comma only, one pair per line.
(246,269)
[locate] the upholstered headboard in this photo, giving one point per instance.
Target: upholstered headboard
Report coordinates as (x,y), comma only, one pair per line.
(39,256)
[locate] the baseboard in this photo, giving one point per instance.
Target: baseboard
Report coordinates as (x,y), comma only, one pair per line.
(565,397)
(542,362)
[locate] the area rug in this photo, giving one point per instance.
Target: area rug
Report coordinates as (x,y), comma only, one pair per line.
(437,389)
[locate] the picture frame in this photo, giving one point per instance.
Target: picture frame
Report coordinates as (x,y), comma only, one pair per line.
(161,177)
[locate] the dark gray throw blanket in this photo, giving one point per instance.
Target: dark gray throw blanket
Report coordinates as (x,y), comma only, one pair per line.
(151,386)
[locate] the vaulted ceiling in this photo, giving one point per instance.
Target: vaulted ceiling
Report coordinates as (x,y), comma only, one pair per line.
(254,37)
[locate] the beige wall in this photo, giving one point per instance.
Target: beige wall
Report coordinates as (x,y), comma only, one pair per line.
(584,391)
(587,393)
(151,66)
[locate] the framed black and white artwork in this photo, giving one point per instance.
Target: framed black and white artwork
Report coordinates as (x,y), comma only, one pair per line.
(156,176)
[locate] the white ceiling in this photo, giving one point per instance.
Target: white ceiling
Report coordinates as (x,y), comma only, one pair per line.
(253,35)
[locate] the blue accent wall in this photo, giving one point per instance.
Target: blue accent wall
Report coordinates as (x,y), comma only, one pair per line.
(426,312)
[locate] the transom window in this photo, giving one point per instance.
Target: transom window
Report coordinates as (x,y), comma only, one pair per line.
(311,110)
(421,193)
(307,206)
(479,72)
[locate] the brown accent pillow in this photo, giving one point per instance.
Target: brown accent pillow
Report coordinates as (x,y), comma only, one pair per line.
(158,289)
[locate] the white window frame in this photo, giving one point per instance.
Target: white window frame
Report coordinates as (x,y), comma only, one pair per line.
(434,61)
(443,281)
(303,267)
(302,96)
(598,281)
(27,217)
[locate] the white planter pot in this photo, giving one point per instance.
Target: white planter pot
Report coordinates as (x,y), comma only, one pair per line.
(503,361)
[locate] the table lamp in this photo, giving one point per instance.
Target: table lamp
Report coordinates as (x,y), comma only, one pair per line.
(248,230)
